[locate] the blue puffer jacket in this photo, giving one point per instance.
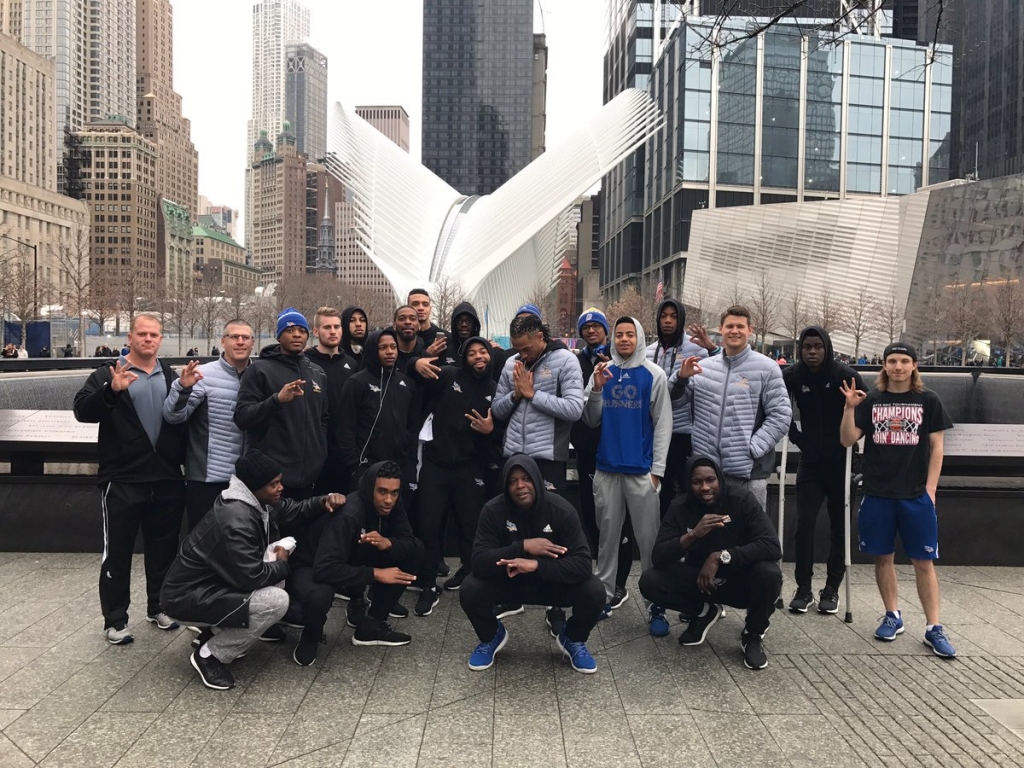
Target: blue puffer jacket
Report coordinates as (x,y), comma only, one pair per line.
(540,427)
(741,412)
(214,442)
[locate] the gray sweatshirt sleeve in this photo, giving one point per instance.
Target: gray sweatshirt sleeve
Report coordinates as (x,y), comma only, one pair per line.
(661,416)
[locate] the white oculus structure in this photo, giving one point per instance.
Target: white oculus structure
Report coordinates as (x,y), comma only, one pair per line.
(418,229)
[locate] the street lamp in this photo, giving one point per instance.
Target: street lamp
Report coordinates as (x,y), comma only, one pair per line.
(35,273)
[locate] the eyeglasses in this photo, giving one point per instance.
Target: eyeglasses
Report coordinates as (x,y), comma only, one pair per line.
(238,336)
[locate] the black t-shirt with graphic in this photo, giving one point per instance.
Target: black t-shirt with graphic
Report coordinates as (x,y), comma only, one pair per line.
(896,429)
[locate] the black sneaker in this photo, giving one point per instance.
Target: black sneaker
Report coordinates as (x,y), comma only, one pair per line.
(501,610)
(619,598)
(398,611)
(828,600)
(555,619)
(443,569)
(428,599)
(305,650)
(455,581)
(802,601)
(204,635)
(355,611)
(274,634)
(754,656)
(293,617)
(697,632)
(375,632)
(213,674)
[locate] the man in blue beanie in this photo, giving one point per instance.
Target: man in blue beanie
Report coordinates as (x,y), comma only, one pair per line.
(529,309)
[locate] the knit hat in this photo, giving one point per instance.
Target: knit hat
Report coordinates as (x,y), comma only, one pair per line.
(591,315)
(290,318)
(900,348)
(528,309)
(256,469)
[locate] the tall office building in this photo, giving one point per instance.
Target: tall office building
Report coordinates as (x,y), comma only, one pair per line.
(393,122)
(275,23)
(159,112)
(305,96)
(278,220)
(477,91)
(540,97)
(28,138)
(92,45)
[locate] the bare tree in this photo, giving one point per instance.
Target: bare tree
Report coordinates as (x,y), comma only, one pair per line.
(545,299)
(966,312)
(794,314)
(828,311)
(764,308)
(447,294)
(1008,312)
(262,313)
(127,287)
(20,293)
(860,317)
(634,303)
(890,316)
(73,257)
(182,311)
(700,312)
(210,307)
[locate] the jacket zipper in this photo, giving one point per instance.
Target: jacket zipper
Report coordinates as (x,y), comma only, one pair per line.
(725,394)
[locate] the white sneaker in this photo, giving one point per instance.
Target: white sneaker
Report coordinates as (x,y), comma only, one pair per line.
(163,621)
(117,636)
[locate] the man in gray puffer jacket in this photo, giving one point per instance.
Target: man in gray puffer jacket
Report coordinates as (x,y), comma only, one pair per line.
(740,406)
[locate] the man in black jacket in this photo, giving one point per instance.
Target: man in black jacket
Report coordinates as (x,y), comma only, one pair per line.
(225,578)
(530,548)
(283,406)
(716,546)
(370,542)
(140,458)
(337,366)
(814,385)
(419,300)
(354,328)
(463,442)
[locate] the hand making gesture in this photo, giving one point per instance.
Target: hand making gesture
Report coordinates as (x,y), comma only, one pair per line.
(482,424)
(333,501)
(601,376)
(543,548)
(439,345)
(523,381)
(854,396)
(291,390)
(121,378)
(190,374)
(374,539)
(518,565)
(699,336)
(426,368)
(690,367)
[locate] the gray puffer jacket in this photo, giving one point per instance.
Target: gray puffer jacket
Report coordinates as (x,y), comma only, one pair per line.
(214,442)
(540,427)
(741,412)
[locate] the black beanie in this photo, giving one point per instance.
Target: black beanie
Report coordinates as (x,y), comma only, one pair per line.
(256,469)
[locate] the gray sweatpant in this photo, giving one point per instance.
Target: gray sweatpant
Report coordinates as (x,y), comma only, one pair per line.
(613,495)
(267,606)
(757,487)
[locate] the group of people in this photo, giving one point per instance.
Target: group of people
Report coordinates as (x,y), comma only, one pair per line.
(333,469)
(12,351)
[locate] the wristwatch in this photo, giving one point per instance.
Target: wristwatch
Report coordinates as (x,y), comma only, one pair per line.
(724,557)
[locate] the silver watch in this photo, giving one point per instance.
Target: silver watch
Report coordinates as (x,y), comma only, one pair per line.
(724,557)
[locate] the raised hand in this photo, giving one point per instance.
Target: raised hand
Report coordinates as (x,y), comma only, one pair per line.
(375,539)
(291,390)
(707,524)
(334,500)
(121,378)
(425,367)
(699,336)
(518,565)
(854,396)
(523,381)
(690,367)
(601,376)
(438,346)
(482,424)
(190,374)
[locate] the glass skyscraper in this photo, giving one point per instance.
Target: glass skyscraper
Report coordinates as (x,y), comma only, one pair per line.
(477,91)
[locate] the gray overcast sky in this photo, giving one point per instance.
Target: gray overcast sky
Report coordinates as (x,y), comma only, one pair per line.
(374,53)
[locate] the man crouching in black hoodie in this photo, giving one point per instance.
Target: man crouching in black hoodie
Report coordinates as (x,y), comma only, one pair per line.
(369,542)
(530,549)
(716,546)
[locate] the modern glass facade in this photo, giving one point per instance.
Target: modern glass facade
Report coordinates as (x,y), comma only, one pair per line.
(305,98)
(477,91)
(786,116)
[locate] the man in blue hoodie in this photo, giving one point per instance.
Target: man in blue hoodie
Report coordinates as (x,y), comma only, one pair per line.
(628,397)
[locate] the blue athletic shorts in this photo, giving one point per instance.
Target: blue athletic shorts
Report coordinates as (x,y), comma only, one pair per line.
(914,519)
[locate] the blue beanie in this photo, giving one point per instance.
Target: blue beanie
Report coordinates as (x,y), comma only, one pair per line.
(592,315)
(288,319)
(528,309)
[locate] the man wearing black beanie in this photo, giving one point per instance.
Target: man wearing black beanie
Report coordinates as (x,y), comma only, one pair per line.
(226,577)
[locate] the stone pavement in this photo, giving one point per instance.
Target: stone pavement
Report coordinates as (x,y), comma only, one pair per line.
(831,695)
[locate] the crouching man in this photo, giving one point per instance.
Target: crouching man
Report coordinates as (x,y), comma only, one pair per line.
(716,546)
(369,543)
(221,578)
(530,549)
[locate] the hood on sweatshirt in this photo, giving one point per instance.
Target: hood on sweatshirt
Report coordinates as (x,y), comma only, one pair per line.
(829,360)
(464,354)
(366,483)
(371,354)
(692,500)
(530,467)
(639,355)
(677,337)
(274,350)
(346,317)
(465,308)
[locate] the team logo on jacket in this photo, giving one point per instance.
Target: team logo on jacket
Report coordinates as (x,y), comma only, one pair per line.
(479,481)
(450,360)
(512,527)
(401,383)
(457,388)
(546,529)
(742,381)
(549,485)
(488,398)
(374,388)
(545,372)
(347,366)
(805,388)
(316,388)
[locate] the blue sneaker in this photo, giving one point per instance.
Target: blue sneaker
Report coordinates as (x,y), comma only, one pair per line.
(483,655)
(578,654)
(936,640)
(658,623)
(606,613)
(891,626)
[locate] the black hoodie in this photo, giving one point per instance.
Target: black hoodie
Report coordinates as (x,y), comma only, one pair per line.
(667,342)
(293,434)
(338,368)
(820,401)
(341,534)
(498,355)
(749,536)
(346,340)
(380,412)
(503,526)
(456,392)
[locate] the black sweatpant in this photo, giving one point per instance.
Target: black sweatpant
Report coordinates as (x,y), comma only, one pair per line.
(814,484)
(313,598)
(158,508)
(755,587)
(464,491)
(479,596)
(673,483)
(199,499)
(553,473)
